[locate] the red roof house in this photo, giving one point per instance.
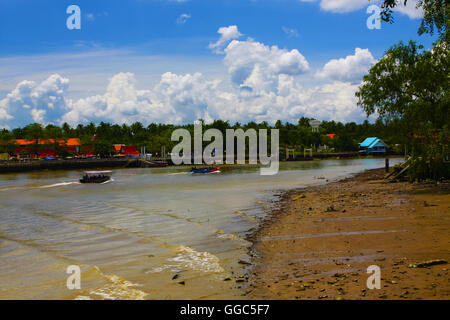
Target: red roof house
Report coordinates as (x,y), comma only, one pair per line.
(24,146)
(125,150)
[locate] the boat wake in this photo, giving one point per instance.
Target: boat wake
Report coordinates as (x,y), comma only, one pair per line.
(59,184)
(110,180)
(37,186)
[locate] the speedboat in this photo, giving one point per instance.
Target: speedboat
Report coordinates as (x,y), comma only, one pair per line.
(205,170)
(96,176)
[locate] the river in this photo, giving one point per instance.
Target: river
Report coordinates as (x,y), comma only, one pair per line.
(156,233)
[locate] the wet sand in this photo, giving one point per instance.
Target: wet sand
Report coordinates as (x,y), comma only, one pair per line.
(322,239)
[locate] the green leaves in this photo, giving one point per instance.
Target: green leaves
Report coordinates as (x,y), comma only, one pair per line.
(408,83)
(409,86)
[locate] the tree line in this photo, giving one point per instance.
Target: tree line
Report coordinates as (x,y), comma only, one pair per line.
(155,136)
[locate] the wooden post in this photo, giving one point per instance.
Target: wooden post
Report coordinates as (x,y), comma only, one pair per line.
(288,153)
(387,164)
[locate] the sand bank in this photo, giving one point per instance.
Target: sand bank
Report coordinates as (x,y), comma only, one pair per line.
(320,242)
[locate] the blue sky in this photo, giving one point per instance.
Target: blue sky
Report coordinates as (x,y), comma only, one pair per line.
(154,60)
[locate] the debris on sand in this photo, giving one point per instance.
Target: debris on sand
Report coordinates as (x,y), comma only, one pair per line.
(300,196)
(428,263)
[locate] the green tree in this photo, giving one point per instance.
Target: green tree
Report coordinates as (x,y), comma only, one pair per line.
(67,130)
(103,148)
(34,131)
(53,132)
(409,83)
(410,86)
(304,122)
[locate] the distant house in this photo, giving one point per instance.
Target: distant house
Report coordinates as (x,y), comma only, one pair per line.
(117,148)
(331,135)
(74,144)
(124,150)
(373,145)
(24,147)
(315,124)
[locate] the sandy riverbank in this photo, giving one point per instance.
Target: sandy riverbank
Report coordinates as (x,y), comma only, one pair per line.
(320,242)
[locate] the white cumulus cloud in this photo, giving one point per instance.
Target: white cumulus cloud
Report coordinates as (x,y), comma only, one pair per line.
(351,68)
(183,98)
(256,65)
(121,103)
(226,34)
(31,102)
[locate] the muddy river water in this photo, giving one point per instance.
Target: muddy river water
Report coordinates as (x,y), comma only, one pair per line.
(147,234)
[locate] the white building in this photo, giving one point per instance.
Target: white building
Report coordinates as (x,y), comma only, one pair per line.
(315,124)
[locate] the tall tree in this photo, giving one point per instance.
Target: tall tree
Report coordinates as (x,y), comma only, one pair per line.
(409,87)
(409,83)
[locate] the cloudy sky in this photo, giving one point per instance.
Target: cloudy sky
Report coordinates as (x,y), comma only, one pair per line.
(174,61)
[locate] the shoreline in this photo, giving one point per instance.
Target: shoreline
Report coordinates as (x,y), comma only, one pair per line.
(74,164)
(118,163)
(321,239)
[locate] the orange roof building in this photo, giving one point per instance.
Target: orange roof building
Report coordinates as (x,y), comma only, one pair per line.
(23,146)
(122,149)
(71,142)
(118,148)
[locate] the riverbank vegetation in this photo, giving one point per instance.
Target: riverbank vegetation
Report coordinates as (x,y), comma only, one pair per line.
(409,86)
(155,136)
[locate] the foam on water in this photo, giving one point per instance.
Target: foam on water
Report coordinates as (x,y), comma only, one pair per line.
(188,258)
(227,236)
(117,288)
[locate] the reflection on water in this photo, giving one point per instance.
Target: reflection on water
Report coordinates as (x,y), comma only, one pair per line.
(149,234)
